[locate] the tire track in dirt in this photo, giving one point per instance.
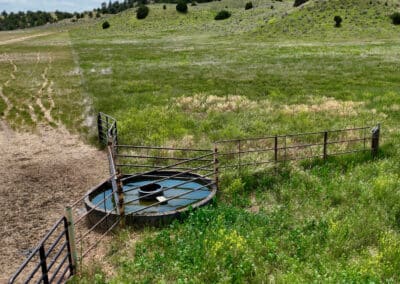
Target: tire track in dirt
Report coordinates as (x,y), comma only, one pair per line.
(50,92)
(40,94)
(15,69)
(32,96)
(46,87)
(14,40)
(9,104)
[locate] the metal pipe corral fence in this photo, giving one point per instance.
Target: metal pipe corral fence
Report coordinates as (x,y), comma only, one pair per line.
(61,252)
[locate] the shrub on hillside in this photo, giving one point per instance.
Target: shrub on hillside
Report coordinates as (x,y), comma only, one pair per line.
(222,15)
(249,5)
(395,18)
(182,7)
(299,2)
(106,25)
(142,12)
(338,21)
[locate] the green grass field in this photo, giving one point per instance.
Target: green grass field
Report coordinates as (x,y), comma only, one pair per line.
(187,80)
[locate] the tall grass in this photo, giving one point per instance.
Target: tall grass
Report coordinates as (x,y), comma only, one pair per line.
(177,78)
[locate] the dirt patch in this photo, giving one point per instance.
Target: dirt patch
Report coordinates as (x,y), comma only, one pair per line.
(41,173)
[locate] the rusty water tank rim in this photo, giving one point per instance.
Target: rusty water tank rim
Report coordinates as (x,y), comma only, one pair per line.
(146,217)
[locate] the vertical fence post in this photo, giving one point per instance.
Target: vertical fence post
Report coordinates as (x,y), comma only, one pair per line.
(216,166)
(276,153)
(240,163)
(71,239)
(121,201)
(375,140)
(100,128)
(116,136)
(285,150)
(325,155)
(43,264)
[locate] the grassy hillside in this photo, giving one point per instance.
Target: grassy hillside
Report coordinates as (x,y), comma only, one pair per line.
(367,19)
(189,80)
(146,72)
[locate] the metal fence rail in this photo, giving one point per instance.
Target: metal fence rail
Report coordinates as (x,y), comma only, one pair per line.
(191,165)
(107,129)
(264,151)
(71,239)
(88,236)
(131,159)
(51,261)
(64,248)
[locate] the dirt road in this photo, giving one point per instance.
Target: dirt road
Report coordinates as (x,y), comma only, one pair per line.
(23,38)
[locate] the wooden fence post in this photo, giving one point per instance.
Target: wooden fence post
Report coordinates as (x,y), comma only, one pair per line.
(375,140)
(325,155)
(216,166)
(71,238)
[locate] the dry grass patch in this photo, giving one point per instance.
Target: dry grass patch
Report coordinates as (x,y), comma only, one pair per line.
(211,103)
(325,104)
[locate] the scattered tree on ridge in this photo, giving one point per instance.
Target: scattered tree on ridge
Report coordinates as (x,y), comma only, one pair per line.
(182,7)
(222,15)
(338,21)
(249,5)
(142,12)
(106,25)
(395,18)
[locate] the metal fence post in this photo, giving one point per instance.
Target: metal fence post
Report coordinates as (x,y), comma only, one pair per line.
(239,160)
(116,136)
(43,264)
(121,201)
(71,240)
(216,166)
(375,140)
(276,149)
(285,159)
(325,155)
(100,128)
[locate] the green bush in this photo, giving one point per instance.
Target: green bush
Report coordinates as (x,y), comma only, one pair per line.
(249,5)
(222,15)
(299,2)
(182,7)
(395,18)
(142,12)
(106,25)
(338,21)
